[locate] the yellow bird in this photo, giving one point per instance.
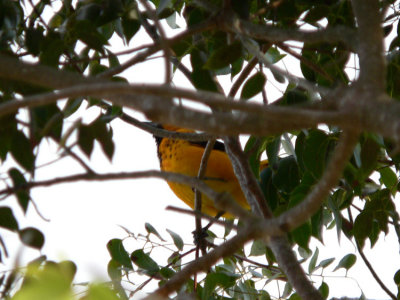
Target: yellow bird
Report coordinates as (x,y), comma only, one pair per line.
(184,157)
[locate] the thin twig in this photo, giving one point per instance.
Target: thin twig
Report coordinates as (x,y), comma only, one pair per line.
(162,40)
(373,273)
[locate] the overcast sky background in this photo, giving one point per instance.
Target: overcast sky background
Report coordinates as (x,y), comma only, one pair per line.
(84,216)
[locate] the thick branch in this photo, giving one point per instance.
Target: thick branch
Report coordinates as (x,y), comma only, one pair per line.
(370,45)
(379,117)
(174,177)
(275,34)
(279,244)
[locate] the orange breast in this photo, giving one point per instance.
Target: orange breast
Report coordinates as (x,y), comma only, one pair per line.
(181,156)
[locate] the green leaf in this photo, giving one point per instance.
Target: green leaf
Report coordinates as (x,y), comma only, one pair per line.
(287,176)
(363,226)
(269,189)
(314,155)
(144,261)
(114,270)
(7,219)
(313,261)
(396,278)
(87,32)
(388,178)
(130,26)
(19,181)
(369,155)
(150,229)
(254,85)
(273,55)
(346,262)
(317,13)
(326,262)
(177,239)
(118,253)
(182,47)
(100,292)
(46,120)
(254,148)
(53,46)
(302,234)
(224,56)
(104,137)
(273,148)
(34,39)
(86,139)
(324,290)
(213,280)
(31,237)
(258,248)
(21,150)
(167,272)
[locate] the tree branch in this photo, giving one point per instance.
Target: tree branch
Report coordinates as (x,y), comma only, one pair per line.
(275,34)
(373,273)
(370,45)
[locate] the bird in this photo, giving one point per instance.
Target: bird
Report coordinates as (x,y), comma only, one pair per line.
(184,157)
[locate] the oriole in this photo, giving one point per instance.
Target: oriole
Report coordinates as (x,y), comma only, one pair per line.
(184,157)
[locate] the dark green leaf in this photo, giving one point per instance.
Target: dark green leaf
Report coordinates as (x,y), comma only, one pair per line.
(254,85)
(254,148)
(177,239)
(317,13)
(324,290)
(53,46)
(314,155)
(31,237)
(302,234)
(224,56)
(268,188)
(396,278)
(346,262)
(104,136)
(130,27)
(21,150)
(363,226)
(273,148)
(326,262)
(19,181)
(114,270)
(258,248)
(317,223)
(150,229)
(46,120)
(203,80)
(87,32)
(222,279)
(167,272)
(86,139)
(182,47)
(7,219)
(144,261)
(388,178)
(118,253)
(369,155)
(313,261)
(273,55)
(34,38)
(237,66)
(286,177)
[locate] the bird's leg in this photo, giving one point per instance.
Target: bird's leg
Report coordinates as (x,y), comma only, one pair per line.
(200,236)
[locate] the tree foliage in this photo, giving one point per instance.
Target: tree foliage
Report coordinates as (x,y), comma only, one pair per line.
(331,137)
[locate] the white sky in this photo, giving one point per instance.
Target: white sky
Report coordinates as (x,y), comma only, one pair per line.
(84,216)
